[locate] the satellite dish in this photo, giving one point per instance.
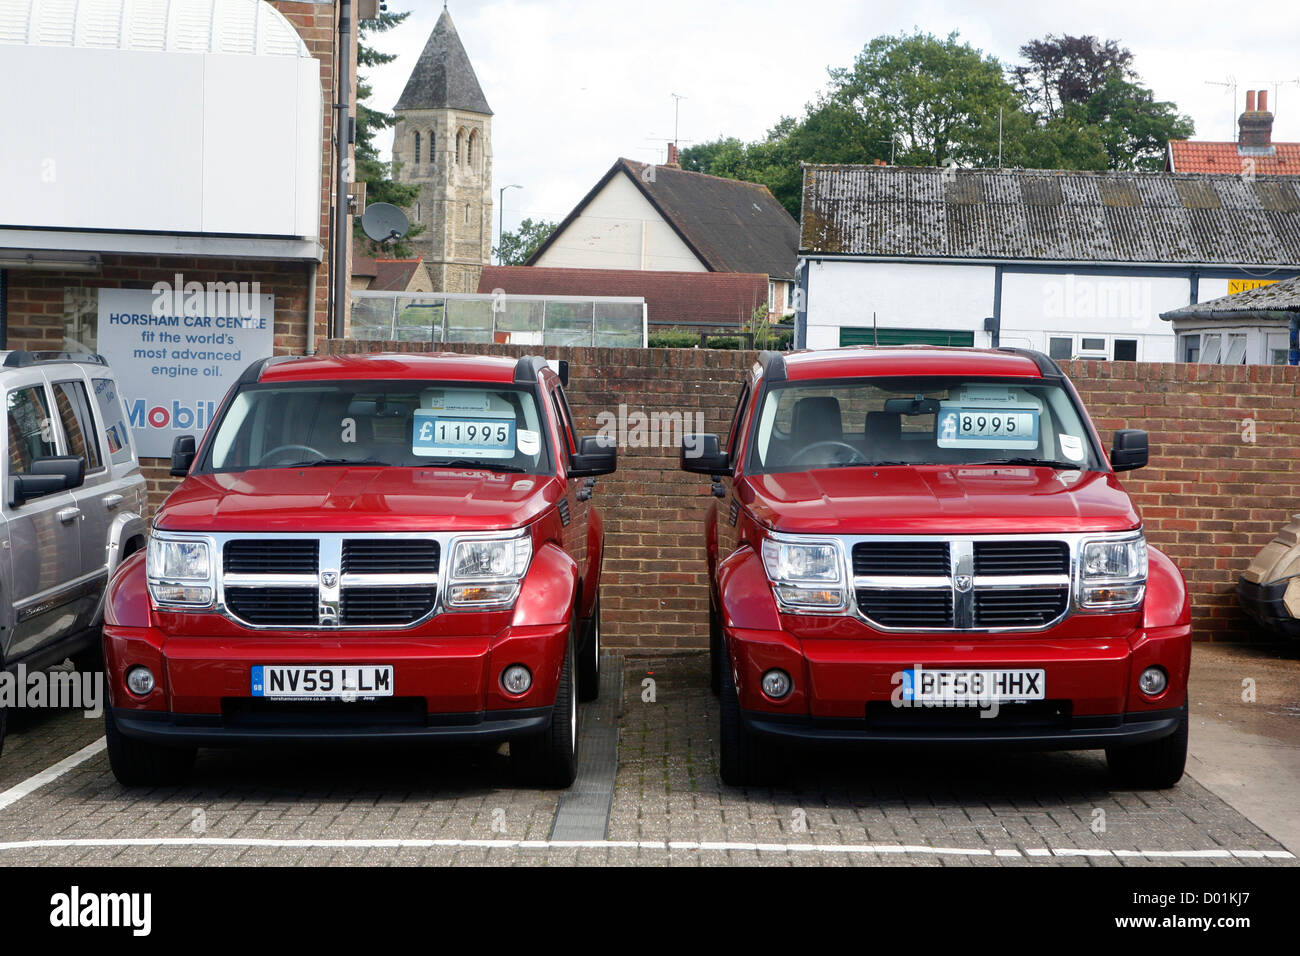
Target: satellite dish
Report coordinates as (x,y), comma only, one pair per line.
(384,222)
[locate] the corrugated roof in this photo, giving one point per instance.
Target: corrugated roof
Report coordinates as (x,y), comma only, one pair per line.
(732,226)
(1190,156)
(443,77)
(1051,215)
(677,298)
(1283,296)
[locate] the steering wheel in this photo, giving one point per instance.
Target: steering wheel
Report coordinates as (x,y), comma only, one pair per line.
(266,459)
(855,457)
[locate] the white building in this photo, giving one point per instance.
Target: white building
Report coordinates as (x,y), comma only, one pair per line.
(1074,264)
(1253,327)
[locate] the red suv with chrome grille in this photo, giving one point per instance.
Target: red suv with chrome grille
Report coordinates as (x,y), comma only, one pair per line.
(372,549)
(928,546)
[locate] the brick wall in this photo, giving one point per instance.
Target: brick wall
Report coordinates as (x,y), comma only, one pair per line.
(1210,499)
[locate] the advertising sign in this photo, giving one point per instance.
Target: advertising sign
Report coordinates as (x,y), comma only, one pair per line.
(176,355)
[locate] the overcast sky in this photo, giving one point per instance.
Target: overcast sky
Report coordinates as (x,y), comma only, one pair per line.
(575,84)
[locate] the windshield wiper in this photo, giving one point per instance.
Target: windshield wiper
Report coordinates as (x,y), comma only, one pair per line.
(1032,462)
(475,463)
(317,462)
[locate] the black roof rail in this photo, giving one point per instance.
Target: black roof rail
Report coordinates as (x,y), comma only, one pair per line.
(1047,367)
(255,369)
(528,368)
(21,358)
(773,366)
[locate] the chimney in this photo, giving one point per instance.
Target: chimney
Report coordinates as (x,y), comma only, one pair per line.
(673,162)
(1256,124)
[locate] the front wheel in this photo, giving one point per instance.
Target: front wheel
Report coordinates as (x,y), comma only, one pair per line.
(137,763)
(742,758)
(550,759)
(1151,766)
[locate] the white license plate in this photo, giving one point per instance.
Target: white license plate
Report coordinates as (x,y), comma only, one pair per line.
(957,686)
(322,681)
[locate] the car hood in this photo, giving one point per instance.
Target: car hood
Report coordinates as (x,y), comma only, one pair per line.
(932,499)
(357,499)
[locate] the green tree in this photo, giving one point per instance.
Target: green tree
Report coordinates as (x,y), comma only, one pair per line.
(517,245)
(370,169)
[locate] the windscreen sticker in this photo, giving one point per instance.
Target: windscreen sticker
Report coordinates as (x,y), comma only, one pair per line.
(529,442)
(1071,447)
(436,434)
(455,400)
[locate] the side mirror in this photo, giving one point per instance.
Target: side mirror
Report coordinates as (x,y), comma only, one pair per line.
(594,458)
(182,455)
(23,488)
(1129,450)
(703,455)
(70,468)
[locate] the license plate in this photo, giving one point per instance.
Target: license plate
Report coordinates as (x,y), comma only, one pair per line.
(322,681)
(958,686)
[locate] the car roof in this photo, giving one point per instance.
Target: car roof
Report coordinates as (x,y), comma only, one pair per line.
(446,366)
(905,360)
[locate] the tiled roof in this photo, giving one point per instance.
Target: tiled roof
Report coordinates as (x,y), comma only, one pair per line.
(1189,156)
(393,275)
(676,298)
(1283,296)
(730,225)
(1051,215)
(443,77)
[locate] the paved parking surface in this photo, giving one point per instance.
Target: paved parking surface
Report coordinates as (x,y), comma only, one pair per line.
(416,806)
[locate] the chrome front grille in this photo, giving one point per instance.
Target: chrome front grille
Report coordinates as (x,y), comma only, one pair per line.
(330,581)
(961,584)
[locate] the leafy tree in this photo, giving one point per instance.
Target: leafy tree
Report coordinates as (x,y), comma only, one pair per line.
(518,245)
(370,169)
(1065,70)
(1134,125)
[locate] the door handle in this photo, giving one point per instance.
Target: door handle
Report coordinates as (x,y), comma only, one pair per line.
(112,501)
(67,515)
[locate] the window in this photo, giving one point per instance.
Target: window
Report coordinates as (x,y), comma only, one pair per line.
(31,435)
(563,420)
(1235,350)
(467,213)
(433,156)
(1210,350)
(1060,347)
(78,425)
(734,432)
(1191,348)
(470,149)
(460,146)
(1280,356)
(1092,345)
(1126,350)
(114,419)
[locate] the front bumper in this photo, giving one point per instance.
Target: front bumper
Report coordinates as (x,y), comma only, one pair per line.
(1266,605)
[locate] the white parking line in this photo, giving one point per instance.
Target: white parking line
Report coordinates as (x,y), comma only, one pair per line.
(670,846)
(31,784)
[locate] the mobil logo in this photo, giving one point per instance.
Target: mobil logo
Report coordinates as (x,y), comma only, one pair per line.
(175,414)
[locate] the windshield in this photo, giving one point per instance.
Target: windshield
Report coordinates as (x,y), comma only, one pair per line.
(918,421)
(397,424)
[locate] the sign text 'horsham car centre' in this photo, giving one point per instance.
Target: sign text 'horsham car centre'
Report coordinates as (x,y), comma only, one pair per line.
(176,359)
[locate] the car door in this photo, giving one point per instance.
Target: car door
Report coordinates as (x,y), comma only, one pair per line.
(96,500)
(44,534)
(724,515)
(576,506)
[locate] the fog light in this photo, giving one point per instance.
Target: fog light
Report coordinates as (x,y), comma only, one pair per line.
(516,679)
(1153,681)
(139,681)
(776,684)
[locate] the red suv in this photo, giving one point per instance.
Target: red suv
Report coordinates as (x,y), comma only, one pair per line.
(366,548)
(928,546)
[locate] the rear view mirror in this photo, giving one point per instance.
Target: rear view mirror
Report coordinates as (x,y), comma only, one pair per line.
(23,488)
(1130,450)
(182,455)
(703,455)
(594,458)
(70,468)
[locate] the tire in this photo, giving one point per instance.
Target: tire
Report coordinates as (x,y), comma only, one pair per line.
(717,653)
(550,759)
(136,763)
(589,656)
(742,758)
(1152,766)
(90,659)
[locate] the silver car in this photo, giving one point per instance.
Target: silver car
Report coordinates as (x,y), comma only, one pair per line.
(72,509)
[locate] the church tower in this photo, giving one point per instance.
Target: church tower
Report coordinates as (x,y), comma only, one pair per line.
(442,142)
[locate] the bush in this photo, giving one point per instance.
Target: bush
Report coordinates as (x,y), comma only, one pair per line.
(673,339)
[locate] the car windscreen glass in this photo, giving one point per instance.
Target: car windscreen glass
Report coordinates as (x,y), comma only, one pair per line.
(919,421)
(407,424)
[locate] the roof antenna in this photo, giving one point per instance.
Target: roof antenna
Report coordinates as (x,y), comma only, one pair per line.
(875,330)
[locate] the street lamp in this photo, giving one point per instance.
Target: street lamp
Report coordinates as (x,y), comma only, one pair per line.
(501,216)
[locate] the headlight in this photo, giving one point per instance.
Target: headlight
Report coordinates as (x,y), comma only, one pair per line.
(485,572)
(179,571)
(1113,572)
(808,576)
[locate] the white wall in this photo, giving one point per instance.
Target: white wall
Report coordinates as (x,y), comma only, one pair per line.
(903,295)
(160,142)
(619,229)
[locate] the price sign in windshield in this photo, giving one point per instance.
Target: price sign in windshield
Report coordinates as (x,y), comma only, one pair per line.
(444,436)
(973,426)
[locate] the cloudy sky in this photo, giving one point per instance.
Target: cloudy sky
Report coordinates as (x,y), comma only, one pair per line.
(574,84)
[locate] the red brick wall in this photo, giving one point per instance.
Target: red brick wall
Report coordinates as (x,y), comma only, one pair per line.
(1210,499)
